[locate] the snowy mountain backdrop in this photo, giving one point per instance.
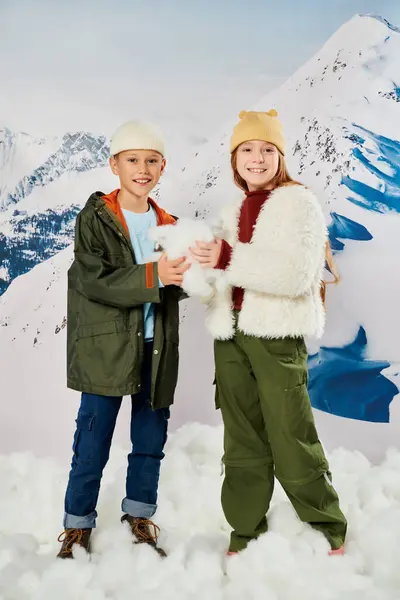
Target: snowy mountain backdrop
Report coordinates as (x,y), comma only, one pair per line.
(341,114)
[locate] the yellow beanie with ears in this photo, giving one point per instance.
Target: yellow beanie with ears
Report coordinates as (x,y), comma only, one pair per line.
(264,126)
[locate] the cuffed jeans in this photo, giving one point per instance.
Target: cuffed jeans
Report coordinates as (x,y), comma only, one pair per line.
(92,441)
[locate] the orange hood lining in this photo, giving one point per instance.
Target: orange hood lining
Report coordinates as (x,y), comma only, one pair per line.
(111,200)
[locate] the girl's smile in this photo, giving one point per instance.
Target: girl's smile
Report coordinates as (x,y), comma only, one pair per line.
(257,163)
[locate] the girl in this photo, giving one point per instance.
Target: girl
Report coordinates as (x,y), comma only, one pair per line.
(273,254)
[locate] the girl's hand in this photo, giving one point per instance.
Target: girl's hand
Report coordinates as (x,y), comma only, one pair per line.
(207,253)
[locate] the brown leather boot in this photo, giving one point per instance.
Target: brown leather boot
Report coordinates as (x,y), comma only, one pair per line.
(70,537)
(145,532)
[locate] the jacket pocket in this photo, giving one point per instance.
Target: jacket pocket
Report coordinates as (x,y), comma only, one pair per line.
(94,329)
(104,358)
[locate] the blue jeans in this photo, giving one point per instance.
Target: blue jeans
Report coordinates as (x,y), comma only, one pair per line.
(92,441)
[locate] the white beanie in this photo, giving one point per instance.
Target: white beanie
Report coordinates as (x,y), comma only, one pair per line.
(136,135)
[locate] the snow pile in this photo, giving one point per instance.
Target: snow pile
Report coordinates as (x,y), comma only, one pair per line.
(289,562)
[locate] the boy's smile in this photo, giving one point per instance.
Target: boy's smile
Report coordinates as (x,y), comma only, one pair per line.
(143,181)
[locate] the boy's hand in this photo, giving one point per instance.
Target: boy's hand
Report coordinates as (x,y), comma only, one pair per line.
(207,253)
(171,271)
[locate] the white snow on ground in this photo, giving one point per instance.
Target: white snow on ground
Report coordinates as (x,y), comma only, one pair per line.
(290,562)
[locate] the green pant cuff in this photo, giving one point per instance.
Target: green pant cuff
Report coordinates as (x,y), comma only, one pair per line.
(235,547)
(238,543)
(336,542)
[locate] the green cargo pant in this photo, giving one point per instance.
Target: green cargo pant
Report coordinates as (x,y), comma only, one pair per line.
(269,430)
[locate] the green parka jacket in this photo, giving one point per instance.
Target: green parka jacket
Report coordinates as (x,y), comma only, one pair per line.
(106,294)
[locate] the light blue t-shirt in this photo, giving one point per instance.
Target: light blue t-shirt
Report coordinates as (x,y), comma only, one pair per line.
(139,225)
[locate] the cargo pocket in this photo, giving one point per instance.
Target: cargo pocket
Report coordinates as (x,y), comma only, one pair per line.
(299,418)
(83,446)
(299,456)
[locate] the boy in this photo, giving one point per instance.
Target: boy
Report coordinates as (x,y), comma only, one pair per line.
(122,338)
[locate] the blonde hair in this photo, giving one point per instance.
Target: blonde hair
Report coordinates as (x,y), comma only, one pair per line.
(282,178)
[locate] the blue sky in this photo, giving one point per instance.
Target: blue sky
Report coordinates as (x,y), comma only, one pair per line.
(76,60)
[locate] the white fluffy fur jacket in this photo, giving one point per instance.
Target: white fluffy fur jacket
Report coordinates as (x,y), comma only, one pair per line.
(280,269)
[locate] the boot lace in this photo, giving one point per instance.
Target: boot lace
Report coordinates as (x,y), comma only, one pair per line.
(145,530)
(69,539)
